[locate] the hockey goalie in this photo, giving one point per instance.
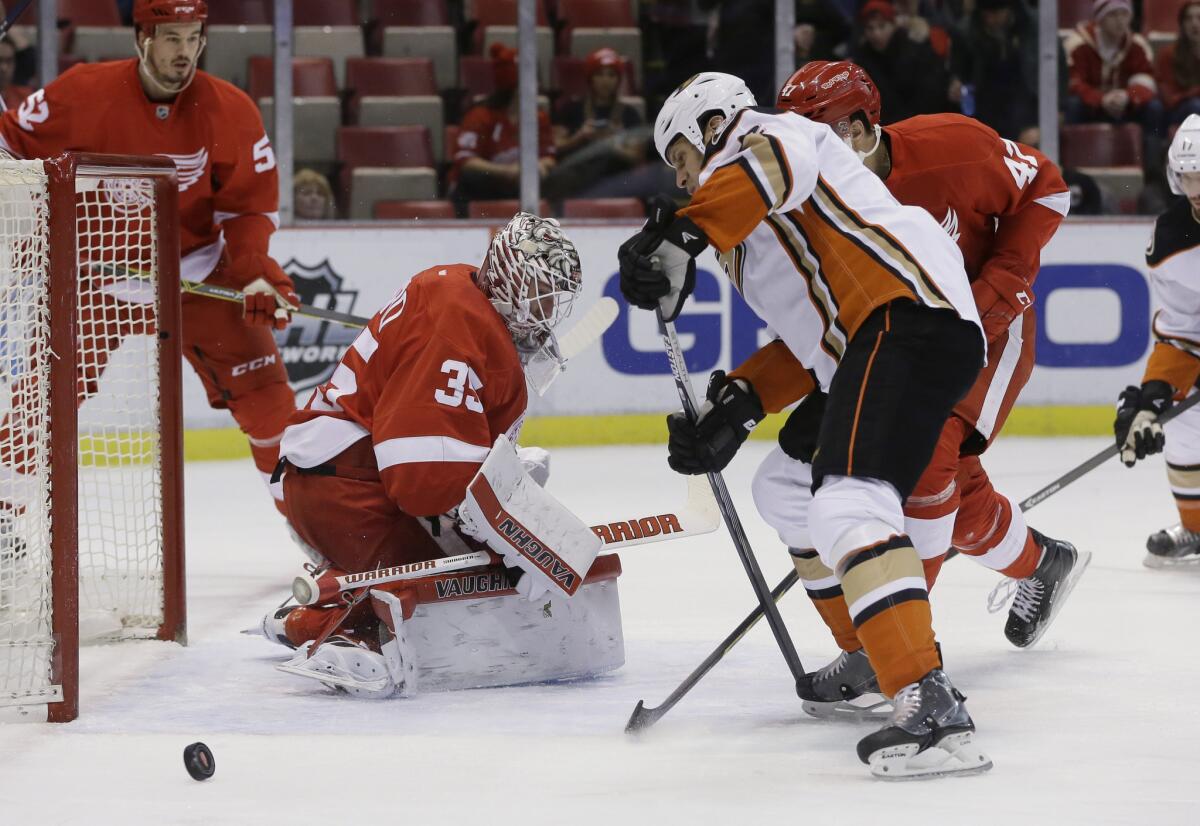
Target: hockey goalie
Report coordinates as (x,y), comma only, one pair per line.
(407,456)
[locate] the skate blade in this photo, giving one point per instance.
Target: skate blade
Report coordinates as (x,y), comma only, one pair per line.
(867,708)
(1159,562)
(954,754)
(1082,560)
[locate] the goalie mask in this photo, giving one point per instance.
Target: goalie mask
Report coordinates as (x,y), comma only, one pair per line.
(1183,159)
(690,106)
(532,276)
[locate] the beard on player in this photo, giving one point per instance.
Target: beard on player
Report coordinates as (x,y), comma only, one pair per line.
(170,57)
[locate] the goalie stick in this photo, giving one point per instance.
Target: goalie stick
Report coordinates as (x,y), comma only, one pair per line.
(698,516)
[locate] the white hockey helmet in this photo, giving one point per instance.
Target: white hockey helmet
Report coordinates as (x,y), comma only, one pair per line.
(700,97)
(1184,154)
(532,276)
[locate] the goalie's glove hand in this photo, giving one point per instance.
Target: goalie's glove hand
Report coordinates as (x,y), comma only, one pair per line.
(269,295)
(658,266)
(726,419)
(799,434)
(1000,297)
(1136,428)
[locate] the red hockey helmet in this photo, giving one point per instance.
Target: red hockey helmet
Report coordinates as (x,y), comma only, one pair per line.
(831,92)
(147,14)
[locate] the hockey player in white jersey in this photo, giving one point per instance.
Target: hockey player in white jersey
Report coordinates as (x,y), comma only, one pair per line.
(1174,365)
(872,299)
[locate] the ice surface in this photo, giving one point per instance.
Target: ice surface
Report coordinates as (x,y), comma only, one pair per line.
(1094,725)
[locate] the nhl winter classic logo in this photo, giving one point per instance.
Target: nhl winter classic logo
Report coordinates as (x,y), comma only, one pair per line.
(311,348)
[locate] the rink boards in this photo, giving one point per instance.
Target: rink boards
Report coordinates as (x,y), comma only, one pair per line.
(1092,297)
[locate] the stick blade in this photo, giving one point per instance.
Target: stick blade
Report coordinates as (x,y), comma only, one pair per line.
(599,317)
(640,720)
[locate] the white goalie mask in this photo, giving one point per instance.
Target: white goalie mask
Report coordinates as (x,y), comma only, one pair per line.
(532,276)
(1184,157)
(703,95)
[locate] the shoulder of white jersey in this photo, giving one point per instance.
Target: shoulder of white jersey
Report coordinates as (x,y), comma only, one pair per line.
(754,119)
(1175,231)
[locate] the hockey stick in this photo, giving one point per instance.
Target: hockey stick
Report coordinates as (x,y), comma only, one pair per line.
(643,717)
(698,516)
(230,294)
(11,20)
(725,505)
(1100,458)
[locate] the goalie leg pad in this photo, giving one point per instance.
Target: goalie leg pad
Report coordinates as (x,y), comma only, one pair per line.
(527,526)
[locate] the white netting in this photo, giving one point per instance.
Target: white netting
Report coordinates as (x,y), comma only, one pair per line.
(120,461)
(26,644)
(120,519)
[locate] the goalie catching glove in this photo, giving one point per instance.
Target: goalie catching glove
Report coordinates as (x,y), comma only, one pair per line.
(658,264)
(509,512)
(707,445)
(1136,428)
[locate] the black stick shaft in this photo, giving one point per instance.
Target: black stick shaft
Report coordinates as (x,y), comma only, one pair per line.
(728,513)
(1100,458)
(644,717)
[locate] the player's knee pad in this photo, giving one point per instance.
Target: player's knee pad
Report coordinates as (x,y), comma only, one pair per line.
(782,490)
(848,514)
(931,537)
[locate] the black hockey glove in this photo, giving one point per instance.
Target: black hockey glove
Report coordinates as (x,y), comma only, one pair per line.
(658,266)
(1136,428)
(798,436)
(726,419)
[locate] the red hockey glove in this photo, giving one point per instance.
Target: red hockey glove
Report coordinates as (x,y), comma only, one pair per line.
(1000,297)
(270,296)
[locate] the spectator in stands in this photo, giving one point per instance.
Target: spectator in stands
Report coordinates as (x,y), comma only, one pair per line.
(600,114)
(1177,67)
(487,160)
(1112,74)
(11,93)
(312,196)
(25,60)
(741,41)
(999,62)
(912,79)
(822,29)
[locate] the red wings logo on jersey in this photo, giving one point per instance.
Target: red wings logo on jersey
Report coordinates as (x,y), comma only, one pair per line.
(33,110)
(191,168)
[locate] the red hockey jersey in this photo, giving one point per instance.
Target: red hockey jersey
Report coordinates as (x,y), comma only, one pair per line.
(432,380)
(212,131)
(1001,201)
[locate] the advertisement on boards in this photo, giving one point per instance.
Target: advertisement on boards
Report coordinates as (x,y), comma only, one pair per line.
(1092,299)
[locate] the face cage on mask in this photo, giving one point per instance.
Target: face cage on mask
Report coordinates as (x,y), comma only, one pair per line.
(522,312)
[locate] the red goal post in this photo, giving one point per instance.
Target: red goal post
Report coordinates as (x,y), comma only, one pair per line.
(91,457)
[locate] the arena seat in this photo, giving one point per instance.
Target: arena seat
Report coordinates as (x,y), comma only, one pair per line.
(315,121)
(311,77)
(395,92)
(1161,16)
(500,13)
(86,12)
(230,48)
(384,163)
(241,12)
(94,43)
(508,36)
(413,210)
(438,43)
(1101,144)
(1073,12)
(597,14)
(338,43)
(501,210)
(325,13)
(403,13)
(603,208)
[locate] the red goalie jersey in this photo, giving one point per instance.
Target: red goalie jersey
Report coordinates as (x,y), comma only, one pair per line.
(429,385)
(212,131)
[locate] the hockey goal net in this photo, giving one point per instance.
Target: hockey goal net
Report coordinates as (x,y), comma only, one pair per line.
(90,440)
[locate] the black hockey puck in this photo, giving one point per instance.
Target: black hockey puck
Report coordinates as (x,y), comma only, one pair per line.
(199,762)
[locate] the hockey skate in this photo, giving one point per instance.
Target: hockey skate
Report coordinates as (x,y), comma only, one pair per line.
(1037,599)
(845,689)
(930,734)
(1172,547)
